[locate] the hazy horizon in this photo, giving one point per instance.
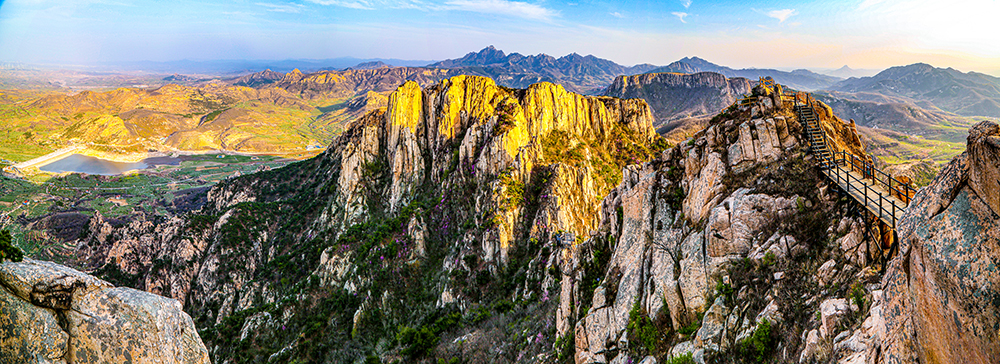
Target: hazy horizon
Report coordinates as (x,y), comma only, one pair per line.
(868,34)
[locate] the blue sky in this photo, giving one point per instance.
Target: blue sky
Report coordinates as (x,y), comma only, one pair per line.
(783,34)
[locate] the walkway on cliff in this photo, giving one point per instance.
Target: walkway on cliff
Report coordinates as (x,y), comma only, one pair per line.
(879,193)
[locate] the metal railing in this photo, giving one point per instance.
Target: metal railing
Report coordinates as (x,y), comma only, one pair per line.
(890,197)
(842,163)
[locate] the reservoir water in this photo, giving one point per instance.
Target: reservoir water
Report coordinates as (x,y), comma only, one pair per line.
(92,165)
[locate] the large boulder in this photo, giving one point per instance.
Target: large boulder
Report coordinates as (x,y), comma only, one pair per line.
(51,313)
(941,290)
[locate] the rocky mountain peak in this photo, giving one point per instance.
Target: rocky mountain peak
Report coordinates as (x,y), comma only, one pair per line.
(293,76)
(463,186)
(685,230)
(486,56)
(675,97)
(370,65)
(940,289)
(259,78)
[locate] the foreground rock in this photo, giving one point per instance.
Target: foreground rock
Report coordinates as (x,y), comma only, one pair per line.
(51,313)
(941,290)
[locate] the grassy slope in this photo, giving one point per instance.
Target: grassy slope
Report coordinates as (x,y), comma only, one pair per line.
(30,132)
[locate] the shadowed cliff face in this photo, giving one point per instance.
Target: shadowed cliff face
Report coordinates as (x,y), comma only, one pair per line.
(682,103)
(450,198)
(674,96)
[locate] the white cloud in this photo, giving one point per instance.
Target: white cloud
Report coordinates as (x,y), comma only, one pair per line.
(361,4)
(282,8)
(869,3)
(782,14)
(503,7)
(680,16)
(686,3)
(618,15)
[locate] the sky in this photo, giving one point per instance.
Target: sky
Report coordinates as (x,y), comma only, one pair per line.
(865,34)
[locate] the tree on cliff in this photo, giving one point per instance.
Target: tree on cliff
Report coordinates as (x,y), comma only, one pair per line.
(7,249)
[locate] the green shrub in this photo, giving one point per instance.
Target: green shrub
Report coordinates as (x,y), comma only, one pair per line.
(503,306)
(858,296)
(693,326)
(725,290)
(769,259)
(759,347)
(683,359)
(416,343)
(566,347)
(7,249)
(641,329)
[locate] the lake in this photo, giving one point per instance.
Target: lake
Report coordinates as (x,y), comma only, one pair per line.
(92,165)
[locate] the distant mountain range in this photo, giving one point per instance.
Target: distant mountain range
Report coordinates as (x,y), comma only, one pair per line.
(582,74)
(801,79)
(969,94)
(230,67)
(848,72)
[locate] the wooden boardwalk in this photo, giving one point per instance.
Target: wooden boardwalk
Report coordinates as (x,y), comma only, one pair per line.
(872,196)
(877,192)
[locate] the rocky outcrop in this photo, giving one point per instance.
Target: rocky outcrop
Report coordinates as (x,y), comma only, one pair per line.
(498,134)
(674,96)
(352,82)
(259,78)
(53,314)
(681,225)
(481,181)
(940,301)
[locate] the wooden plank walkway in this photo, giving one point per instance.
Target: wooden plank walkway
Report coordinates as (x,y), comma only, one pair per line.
(872,196)
(840,167)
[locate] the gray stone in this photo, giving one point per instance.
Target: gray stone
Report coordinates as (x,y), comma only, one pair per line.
(713,324)
(826,272)
(703,190)
(28,333)
(831,312)
(106,324)
(682,349)
(811,347)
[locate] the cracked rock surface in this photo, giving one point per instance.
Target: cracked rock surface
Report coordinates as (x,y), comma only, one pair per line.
(50,313)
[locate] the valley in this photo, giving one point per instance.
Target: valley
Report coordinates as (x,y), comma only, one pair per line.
(426,214)
(499,182)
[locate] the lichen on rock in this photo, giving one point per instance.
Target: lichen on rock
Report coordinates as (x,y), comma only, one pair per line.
(52,313)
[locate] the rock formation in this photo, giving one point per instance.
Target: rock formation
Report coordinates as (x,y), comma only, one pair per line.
(477,181)
(430,224)
(676,98)
(53,314)
(940,301)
